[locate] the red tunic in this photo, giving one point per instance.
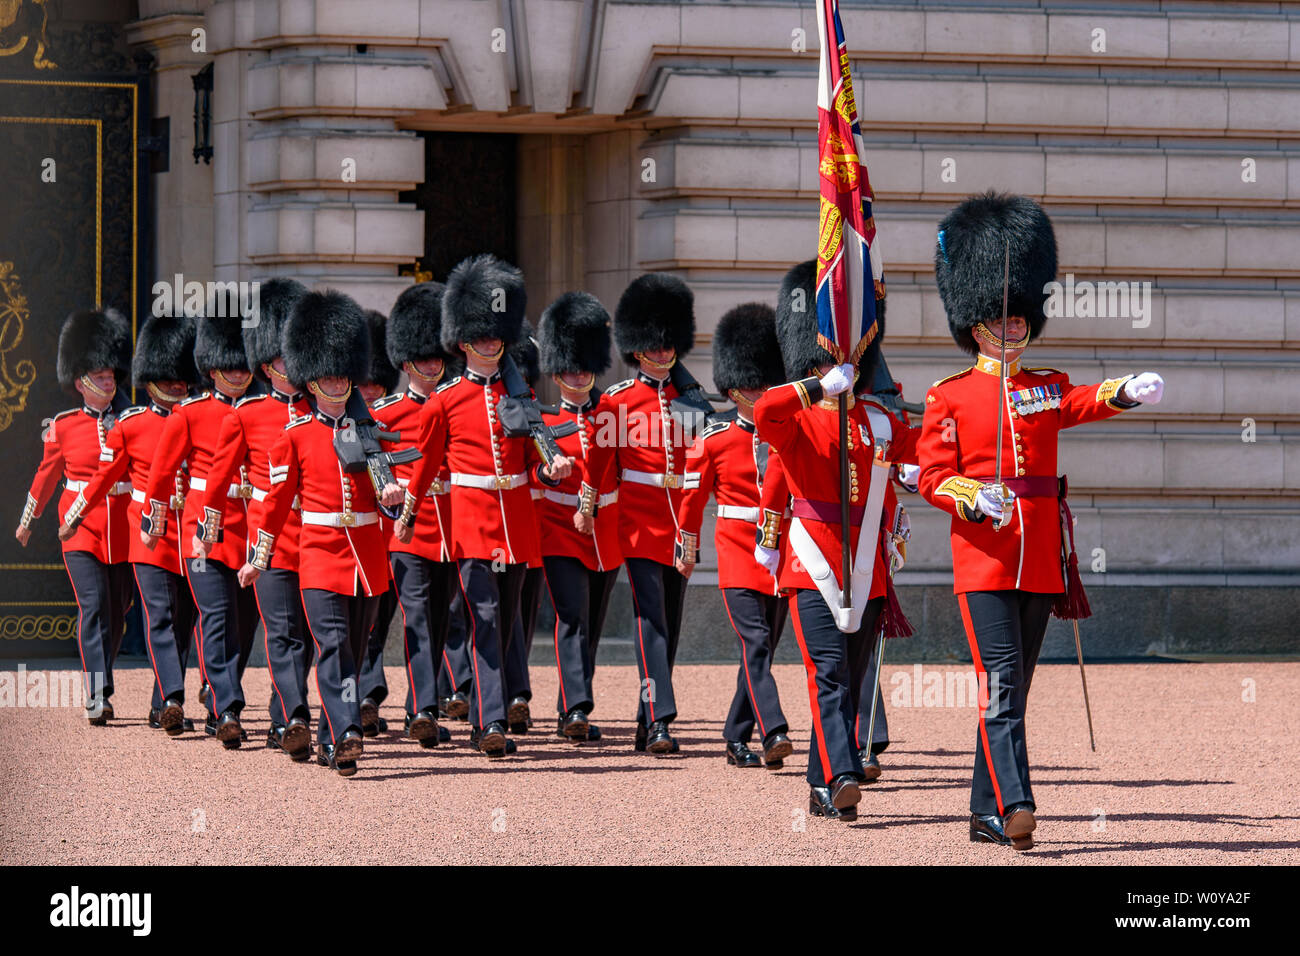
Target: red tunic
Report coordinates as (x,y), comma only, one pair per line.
(335,557)
(648,445)
(192,433)
(459,430)
(128,453)
(243,457)
(401,414)
(600,550)
(958,451)
(726,456)
(74,444)
(807,436)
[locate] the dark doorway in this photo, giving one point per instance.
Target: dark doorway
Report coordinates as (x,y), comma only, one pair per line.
(468,198)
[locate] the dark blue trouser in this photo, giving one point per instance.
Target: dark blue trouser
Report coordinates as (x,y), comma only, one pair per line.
(825,651)
(658,595)
(424,589)
(492,598)
(169,625)
(602,587)
(338,625)
(284,629)
(456,671)
(373,682)
(215,589)
(758,620)
(102,592)
(1005,631)
(521,640)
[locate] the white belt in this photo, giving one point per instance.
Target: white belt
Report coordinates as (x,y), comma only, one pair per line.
(740,513)
(137,495)
(334,519)
(435,488)
(690,479)
(536,493)
(259,495)
(201,484)
(561,498)
(488,482)
(121,488)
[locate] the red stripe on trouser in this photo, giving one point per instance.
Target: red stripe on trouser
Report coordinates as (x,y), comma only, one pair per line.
(198,609)
(564,702)
(979,669)
(744,665)
(266,646)
(81,623)
(148,627)
(811,668)
(323,709)
(645,666)
(473,645)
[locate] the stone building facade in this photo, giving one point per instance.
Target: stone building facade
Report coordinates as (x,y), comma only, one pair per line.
(1164,139)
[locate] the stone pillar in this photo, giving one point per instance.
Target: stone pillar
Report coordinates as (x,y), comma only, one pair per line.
(183,195)
(309,161)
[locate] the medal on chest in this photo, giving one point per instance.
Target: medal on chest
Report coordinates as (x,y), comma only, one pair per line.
(1027,401)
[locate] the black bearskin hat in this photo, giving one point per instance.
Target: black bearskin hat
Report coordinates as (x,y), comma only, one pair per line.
(573,335)
(525,356)
(415,325)
(796,327)
(382,371)
(657,311)
(484,299)
(90,340)
(275,300)
(164,352)
(326,334)
(746,354)
(219,344)
(969,257)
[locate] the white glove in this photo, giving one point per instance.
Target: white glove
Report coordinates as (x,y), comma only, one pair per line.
(1147,388)
(767,557)
(909,475)
(839,379)
(999,511)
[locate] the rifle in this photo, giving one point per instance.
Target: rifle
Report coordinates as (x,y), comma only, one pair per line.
(691,407)
(521,415)
(359,450)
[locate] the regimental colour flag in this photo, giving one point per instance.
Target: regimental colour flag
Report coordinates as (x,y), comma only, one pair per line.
(849,270)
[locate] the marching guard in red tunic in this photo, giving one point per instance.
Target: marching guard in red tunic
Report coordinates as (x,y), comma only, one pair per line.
(342,566)
(801,421)
(654,328)
(424,574)
(1012,546)
(380,383)
(192,434)
(163,367)
(93,360)
(731,461)
(580,519)
(493,529)
(243,458)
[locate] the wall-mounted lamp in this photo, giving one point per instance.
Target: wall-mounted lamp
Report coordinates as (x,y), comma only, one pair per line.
(203,114)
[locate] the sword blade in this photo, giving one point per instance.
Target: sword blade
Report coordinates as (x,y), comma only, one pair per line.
(1002,364)
(1087,707)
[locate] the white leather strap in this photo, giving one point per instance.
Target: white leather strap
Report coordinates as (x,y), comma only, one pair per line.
(740,513)
(121,488)
(335,519)
(560,498)
(201,484)
(488,482)
(690,479)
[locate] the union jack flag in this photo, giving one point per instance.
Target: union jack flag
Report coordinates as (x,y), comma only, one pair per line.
(849,271)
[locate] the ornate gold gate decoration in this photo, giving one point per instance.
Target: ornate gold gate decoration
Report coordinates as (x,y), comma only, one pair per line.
(15,381)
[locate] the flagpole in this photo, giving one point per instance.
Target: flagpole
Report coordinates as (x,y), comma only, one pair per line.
(846,595)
